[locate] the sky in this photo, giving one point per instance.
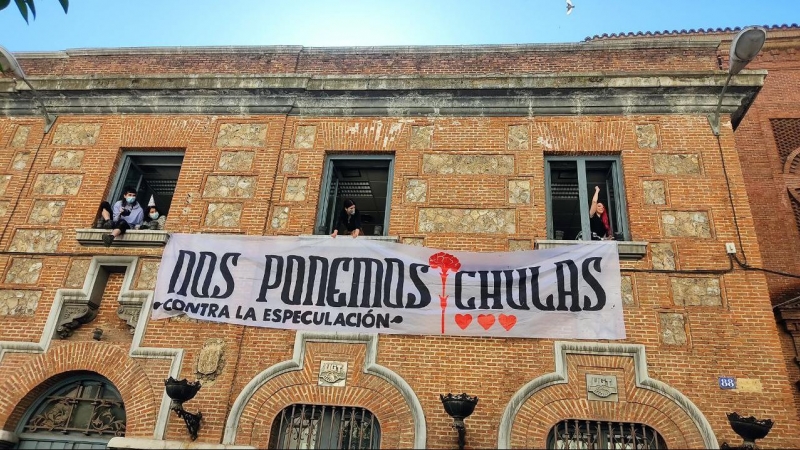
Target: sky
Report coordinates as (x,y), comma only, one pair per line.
(330,23)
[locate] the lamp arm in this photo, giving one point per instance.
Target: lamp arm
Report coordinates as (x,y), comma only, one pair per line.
(48,119)
(714,120)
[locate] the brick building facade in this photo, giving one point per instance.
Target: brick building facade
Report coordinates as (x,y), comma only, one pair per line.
(464,143)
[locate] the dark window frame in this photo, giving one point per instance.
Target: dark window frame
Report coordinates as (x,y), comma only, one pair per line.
(327,207)
(127,159)
(619,213)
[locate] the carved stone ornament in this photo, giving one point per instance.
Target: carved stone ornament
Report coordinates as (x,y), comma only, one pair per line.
(332,373)
(77,310)
(130,307)
(602,387)
(210,360)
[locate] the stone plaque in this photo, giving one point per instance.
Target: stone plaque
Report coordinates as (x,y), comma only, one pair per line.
(332,373)
(602,388)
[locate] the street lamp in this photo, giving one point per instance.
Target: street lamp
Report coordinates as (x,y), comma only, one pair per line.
(744,48)
(9,64)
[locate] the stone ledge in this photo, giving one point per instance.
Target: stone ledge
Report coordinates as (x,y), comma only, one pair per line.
(394,239)
(131,238)
(145,443)
(628,250)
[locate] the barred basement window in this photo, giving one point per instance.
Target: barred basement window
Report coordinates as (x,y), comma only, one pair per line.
(587,434)
(320,426)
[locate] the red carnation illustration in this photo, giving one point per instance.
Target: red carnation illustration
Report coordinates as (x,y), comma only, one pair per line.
(445,262)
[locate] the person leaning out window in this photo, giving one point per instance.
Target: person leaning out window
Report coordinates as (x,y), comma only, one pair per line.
(349,220)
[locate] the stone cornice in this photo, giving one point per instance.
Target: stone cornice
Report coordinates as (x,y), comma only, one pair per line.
(687,42)
(484,95)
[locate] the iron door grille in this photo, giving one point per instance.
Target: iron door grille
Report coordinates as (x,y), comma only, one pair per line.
(302,426)
(586,435)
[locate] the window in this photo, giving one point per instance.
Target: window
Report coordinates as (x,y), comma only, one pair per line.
(320,426)
(570,186)
(367,181)
(152,174)
(81,412)
(586,434)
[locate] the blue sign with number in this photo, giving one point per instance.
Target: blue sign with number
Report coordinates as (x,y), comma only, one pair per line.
(727,383)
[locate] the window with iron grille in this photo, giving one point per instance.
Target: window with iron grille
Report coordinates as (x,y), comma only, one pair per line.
(589,434)
(84,411)
(301,426)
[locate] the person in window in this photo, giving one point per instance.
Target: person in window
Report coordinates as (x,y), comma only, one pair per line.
(124,215)
(154,220)
(599,222)
(349,220)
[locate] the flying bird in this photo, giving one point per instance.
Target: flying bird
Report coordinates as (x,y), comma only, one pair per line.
(570,7)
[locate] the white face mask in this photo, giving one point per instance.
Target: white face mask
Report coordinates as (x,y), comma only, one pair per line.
(154,216)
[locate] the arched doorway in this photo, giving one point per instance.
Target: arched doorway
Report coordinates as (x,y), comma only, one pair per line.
(83,411)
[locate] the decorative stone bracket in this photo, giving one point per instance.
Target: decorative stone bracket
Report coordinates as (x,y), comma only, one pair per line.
(789,315)
(130,306)
(78,310)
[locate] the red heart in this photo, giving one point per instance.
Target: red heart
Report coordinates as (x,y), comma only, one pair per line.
(507,322)
(486,320)
(463,320)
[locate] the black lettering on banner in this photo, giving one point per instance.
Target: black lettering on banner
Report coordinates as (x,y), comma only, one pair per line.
(363,286)
(223,312)
(266,284)
(495,294)
(393,300)
(339,319)
(573,286)
(201,266)
(313,263)
(226,274)
(521,289)
(295,271)
(535,299)
(599,292)
(335,297)
(176,272)
(424,293)
(470,304)
(193,271)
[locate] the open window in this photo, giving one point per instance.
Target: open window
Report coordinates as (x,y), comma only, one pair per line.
(367,180)
(570,185)
(152,174)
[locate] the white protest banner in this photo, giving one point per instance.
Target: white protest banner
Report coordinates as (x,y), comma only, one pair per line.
(360,285)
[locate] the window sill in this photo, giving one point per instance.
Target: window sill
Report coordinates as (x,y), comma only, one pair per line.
(131,238)
(394,239)
(628,250)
